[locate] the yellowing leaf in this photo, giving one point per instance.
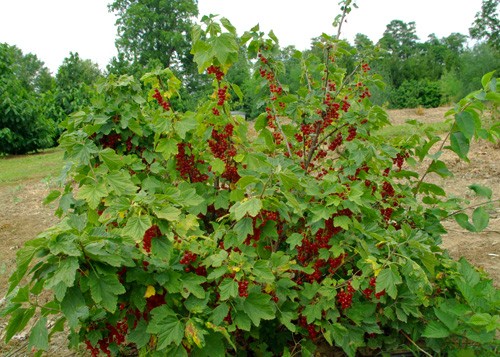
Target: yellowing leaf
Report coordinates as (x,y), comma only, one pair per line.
(150,291)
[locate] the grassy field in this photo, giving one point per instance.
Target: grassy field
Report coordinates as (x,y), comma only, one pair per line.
(44,165)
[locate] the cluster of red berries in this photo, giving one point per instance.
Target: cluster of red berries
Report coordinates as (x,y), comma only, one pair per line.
(400,159)
(386,213)
(311,329)
(111,140)
(387,190)
(243,288)
(344,297)
(365,67)
(221,95)
(220,145)
(352,133)
(151,232)
(188,258)
(216,71)
(162,102)
(263,59)
(116,335)
(186,164)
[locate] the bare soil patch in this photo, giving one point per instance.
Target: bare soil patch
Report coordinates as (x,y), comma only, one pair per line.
(23,216)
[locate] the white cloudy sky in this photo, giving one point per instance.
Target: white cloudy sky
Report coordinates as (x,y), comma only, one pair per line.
(52,28)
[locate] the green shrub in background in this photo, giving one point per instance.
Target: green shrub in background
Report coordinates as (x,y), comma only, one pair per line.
(413,94)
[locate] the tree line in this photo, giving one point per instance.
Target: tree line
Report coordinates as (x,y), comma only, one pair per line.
(156,33)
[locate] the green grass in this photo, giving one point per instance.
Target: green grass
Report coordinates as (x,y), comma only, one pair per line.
(406,130)
(16,169)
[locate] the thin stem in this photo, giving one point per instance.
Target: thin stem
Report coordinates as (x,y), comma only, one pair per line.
(470,207)
(414,344)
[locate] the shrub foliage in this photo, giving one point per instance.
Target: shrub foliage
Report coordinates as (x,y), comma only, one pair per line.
(198,234)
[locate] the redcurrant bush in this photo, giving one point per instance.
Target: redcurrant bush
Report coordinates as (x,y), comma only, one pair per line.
(184,234)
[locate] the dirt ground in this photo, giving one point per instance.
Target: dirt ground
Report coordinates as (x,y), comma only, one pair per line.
(22,216)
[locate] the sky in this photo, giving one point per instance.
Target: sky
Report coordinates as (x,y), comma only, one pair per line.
(51,29)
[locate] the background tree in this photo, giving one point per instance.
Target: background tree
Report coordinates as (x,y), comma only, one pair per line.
(487,24)
(154,30)
(24,127)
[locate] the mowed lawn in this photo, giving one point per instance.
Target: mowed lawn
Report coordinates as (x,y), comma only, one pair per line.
(18,168)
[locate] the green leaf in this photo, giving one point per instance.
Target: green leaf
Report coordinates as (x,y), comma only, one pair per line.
(111,159)
(51,197)
(251,207)
(243,228)
(168,327)
(18,321)
(65,273)
(92,193)
(219,313)
(460,145)
(228,26)
(184,126)
(218,166)
(167,147)
(480,219)
(466,125)
(263,272)
(258,307)
(74,306)
(228,288)
(169,213)
(387,280)
(481,191)
(136,227)
(435,329)
(120,182)
(342,222)
(39,335)
(463,220)
(294,240)
(104,289)
(192,285)
(139,336)
(225,48)
(440,168)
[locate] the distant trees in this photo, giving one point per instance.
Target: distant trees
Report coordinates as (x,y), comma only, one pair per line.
(487,24)
(24,79)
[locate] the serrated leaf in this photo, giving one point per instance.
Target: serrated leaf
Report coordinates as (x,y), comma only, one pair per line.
(466,125)
(139,336)
(136,227)
(480,219)
(294,240)
(263,272)
(39,335)
(387,280)
(166,326)
(219,313)
(481,191)
(435,329)
(182,127)
(18,321)
(169,213)
(228,288)
(440,168)
(167,147)
(342,222)
(92,193)
(243,228)
(74,306)
(51,197)
(218,166)
(251,207)
(120,182)
(258,307)
(111,159)
(460,145)
(65,273)
(192,285)
(463,220)
(104,289)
